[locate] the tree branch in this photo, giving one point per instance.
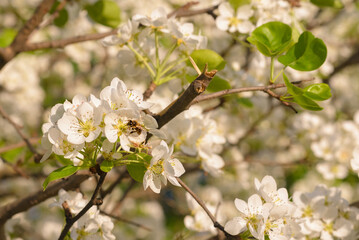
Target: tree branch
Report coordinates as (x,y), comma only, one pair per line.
(201,203)
(93,201)
(23,204)
(33,140)
(37,156)
(183,102)
(61,43)
(222,93)
(126,221)
(23,35)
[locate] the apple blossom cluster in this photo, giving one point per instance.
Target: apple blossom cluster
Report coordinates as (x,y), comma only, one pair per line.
(143,26)
(92,225)
(86,128)
(322,213)
(116,115)
(248,16)
(198,136)
(334,143)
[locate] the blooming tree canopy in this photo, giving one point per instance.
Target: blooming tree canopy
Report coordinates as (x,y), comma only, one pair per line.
(248,108)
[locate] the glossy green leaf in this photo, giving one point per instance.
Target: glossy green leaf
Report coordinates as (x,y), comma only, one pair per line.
(308,54)
(328,3)
(60,173)
(306,103)
(105,12)
(106,165)
(318,92)
(7,36)
(138,168)
(203,56)
(291,89)
(218,84)
(62,19)
(237,3)
(271,38)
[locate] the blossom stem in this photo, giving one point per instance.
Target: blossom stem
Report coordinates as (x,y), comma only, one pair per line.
(157,53)
(92,202)
(171,65)
(201,203)
(142,59)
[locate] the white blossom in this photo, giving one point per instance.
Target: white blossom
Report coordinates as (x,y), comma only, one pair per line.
(162,168)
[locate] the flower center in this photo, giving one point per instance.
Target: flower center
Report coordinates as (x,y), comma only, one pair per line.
(120,127)
(158,167)
(67,147)
(87,127)
(307,212)
(234,21)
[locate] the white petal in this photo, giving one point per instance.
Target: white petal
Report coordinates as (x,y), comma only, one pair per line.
(125,143)
(242,206)
(245,27)
(174,181)
(226,10)
(149,121)
(222,23)
(111,133)
(254,203)
(177,166)
(245,12)
(235,226)
(147,178)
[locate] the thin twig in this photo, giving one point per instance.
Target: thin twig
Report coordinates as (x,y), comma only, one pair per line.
(190,13)
(276,96)
(15,168)
(25,203)
(123,174)
(61,43)
(222,93)
(8,53)
(31,24)
(182,8)
(117,207)
(7,148)
(54,15)
(148,93)
(201,203)
(255,124)
(126,221)
(22,135)
(93,201)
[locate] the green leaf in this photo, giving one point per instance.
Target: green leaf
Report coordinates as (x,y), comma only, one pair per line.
(60,173)
(138,169)
(203,56)
(62,19)
(308,54)
(218,84)
(318,92)
(271,38)
(328,3)
(307,103)
(237,3)
(106,165)
(7,36)
(105,12)
(293,90)
(245,102)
